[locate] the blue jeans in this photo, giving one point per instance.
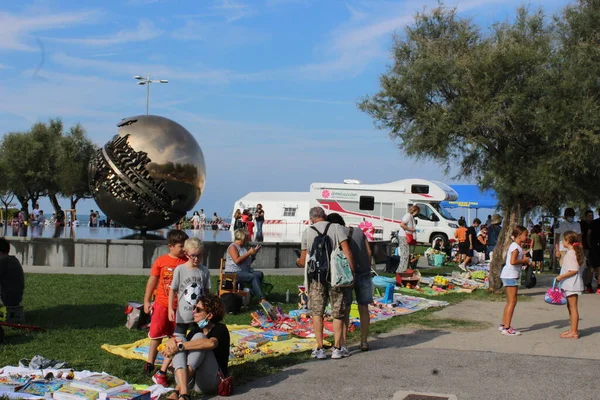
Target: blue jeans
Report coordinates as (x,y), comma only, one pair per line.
(253,277)
(259,225)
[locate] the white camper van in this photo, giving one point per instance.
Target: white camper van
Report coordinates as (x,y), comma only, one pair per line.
(377,209)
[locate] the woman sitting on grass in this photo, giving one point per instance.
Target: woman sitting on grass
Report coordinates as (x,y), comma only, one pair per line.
(203,354)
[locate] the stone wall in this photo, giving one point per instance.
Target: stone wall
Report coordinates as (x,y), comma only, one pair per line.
(131,255)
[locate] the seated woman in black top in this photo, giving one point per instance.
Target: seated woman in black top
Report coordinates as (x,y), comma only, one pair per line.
(204,353)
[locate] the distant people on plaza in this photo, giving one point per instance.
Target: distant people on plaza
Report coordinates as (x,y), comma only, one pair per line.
(93,219)
(571,279)
(472,242)
(75,223)
(53,219)
(215,222)
(179,223)
(245,216)
(319,289)
(204,354)
(159,285)
(12,278)
(34,214)
(196,220)
(260,219)
(537,245)
(60,218)
(510,274)
(594,260)
(237,220)
(239,259)
(586,240)
(202,219)
(21,217)
(41,219)
(250,225)
(494,232)
(488,221)
(363,285)
(568,224)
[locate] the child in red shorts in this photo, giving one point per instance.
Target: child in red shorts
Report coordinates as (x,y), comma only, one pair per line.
(159,283)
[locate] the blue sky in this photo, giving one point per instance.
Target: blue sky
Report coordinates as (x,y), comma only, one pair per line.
(267,87)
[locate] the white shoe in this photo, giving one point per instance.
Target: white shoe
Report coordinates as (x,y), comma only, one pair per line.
(319,354)
(510,332)
(337,354)
(345,351)
(462,267)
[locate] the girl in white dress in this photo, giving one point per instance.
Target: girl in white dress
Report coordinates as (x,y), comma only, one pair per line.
(571,279)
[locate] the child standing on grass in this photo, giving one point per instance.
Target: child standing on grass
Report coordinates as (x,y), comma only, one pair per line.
(191,281)
(159,283)
(463,244)
(572,281)
(510,278)
(537,248)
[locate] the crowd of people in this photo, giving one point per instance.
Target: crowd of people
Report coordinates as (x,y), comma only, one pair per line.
(245,219)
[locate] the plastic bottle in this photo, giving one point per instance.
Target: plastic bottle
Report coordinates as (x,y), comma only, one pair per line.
(287,296)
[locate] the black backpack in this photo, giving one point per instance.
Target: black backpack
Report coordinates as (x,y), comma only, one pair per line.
(318,259)
(232,302)
(529,280)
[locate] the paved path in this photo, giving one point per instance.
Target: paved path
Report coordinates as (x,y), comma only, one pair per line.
(470,364)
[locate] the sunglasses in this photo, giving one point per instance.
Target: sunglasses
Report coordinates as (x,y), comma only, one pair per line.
(198,309)
(195,256)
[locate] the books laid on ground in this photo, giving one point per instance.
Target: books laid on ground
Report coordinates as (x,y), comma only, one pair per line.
(126,394)
(254,341)
(13,382)
(69,392)
(101,383)
(40,387)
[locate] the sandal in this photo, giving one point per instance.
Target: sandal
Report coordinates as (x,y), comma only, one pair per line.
(184,397)
(174,395)
(364,346)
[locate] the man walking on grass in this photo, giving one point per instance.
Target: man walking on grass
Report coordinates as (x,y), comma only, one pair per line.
(319,289)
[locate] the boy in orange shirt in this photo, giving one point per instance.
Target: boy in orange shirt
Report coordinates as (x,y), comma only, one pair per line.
(463,244)
(159,282)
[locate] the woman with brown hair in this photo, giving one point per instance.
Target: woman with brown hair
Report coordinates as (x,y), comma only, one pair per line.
(204,354)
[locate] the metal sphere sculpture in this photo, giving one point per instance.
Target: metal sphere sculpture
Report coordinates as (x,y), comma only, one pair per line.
(149,175)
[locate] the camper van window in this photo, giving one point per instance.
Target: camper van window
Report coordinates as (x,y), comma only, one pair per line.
(367,203)
(419,189)
(289,211)
(443,212)
(424,212)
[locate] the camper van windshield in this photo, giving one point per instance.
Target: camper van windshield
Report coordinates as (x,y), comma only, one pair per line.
(443,212)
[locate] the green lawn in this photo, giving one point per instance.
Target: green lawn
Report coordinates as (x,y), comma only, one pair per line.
(81,312)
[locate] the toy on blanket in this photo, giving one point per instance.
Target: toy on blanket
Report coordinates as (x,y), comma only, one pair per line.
(259,318)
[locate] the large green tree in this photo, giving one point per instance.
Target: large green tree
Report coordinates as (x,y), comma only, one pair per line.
(484,104)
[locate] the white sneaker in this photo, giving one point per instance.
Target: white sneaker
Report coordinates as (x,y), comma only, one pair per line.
(462,267)
(501,327)
(345,351)
(510,332)
(319,354)
(337,354)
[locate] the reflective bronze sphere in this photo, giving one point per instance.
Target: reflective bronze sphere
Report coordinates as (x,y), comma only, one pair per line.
(149,175)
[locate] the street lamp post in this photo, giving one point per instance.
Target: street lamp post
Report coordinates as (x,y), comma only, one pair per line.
(147,81)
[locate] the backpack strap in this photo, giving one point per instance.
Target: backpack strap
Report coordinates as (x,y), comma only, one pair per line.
(319,233)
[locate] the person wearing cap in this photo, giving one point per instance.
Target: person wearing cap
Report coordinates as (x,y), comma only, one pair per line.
(568,224)
(493,232)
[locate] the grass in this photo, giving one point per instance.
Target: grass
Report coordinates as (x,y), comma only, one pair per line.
(82,312)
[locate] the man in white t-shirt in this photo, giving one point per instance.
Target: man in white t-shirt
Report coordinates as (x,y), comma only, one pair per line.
(568,224)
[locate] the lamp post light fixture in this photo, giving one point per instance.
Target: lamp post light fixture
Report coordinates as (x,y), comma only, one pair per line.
(147,81)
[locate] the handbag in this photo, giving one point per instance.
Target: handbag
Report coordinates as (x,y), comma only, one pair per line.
(225,385)
(555,295)
(341,273)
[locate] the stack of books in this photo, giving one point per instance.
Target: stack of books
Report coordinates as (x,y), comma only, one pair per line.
(100,387)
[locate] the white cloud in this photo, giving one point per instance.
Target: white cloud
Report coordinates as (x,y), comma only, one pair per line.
(233,10)
(16,30)
(144,31)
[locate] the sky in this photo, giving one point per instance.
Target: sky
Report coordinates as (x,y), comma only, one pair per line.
(267,87)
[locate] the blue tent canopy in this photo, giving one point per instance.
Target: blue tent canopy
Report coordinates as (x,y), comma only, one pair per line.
(469,196)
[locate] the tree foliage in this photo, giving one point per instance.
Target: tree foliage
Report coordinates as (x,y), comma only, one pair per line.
(512,107)
(45,161)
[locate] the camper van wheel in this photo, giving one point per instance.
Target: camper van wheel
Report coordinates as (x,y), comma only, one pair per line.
(437,236)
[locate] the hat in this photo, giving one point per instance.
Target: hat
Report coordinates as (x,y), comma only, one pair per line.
(496,219)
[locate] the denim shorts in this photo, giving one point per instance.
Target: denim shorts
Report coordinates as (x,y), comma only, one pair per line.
(363,287)
(510,282)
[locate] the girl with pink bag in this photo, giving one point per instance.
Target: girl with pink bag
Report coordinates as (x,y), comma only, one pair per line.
(571,280)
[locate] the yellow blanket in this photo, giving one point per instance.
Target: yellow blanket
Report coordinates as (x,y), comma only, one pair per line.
(139,350)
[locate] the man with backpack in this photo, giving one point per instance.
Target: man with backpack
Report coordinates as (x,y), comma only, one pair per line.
(317,244)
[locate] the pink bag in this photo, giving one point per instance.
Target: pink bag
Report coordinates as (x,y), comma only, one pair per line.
(555,295)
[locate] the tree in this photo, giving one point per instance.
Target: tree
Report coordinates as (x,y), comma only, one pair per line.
(6,197)
(485,105)
(75,158)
